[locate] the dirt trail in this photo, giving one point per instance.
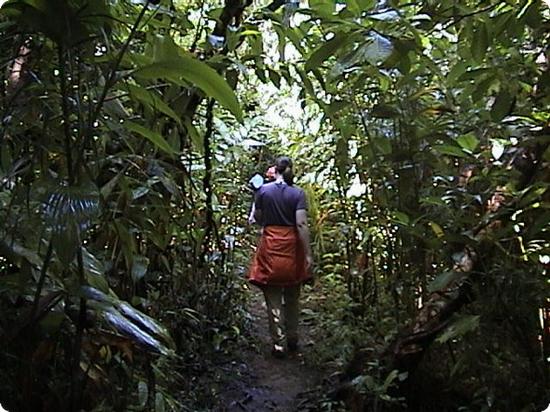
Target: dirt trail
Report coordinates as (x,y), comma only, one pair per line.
(266,383)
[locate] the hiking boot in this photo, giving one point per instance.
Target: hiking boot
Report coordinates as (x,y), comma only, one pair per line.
(278,353)
(292,345)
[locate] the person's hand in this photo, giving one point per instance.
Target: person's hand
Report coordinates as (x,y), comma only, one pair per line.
(309,270)
(310,281)
(309,263)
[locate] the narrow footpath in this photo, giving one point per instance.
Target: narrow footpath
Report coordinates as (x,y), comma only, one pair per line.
(263,383)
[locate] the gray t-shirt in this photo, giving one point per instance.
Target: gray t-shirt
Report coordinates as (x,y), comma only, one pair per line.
(279,203)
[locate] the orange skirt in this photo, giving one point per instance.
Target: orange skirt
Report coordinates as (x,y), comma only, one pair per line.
(280,258)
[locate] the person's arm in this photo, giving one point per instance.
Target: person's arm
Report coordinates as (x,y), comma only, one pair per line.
(257,207)
(252,214)
(258,215)
(303,233)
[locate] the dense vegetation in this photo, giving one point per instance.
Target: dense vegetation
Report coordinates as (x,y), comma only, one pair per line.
(129,130)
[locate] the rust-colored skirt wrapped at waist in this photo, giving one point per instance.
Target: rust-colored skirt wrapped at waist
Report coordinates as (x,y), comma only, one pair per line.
(280,258)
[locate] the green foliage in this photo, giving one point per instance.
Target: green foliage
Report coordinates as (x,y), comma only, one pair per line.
(420,187)
(106,276)
(172,65)
(420,132)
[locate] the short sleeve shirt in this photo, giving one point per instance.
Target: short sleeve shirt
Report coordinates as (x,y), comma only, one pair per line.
(279,203)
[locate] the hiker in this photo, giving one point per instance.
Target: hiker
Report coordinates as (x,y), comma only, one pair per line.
(255,183)
(283,260)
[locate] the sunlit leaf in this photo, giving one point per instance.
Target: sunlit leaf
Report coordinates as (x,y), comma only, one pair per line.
(497,149)
(437,229)
(389,15)
(196,73)
(129,329)
(140,192)
(68,212)
(130,322)
(374,49)
(468,142)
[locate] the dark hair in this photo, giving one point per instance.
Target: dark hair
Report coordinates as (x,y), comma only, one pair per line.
(283,165)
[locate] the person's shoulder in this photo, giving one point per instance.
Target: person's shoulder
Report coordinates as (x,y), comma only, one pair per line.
(297,192)
(298,189)
(266,187)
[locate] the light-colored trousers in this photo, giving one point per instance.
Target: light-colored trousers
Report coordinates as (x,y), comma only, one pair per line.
(282,312)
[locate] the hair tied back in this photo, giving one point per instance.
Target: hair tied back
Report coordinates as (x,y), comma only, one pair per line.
(283,165)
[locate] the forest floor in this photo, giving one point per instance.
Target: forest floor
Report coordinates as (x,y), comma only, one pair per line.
(263,383)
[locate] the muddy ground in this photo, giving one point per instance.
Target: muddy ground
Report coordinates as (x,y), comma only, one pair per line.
(263,383)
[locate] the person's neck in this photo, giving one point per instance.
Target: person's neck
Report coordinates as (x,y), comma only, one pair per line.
(279,179)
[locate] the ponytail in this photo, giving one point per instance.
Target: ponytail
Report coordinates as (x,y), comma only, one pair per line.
(288,176)
(284,167)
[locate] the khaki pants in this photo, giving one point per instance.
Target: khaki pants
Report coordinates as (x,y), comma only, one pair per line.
(282,313)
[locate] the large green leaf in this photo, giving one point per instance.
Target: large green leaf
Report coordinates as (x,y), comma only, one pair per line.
(288,32)
(306,83)
(324,8)
(372,48)
(325,51)
(198,74)
(152,136)
(41,5)
(13,250)
(129,321)
(195,136)
(457,70)
(436,228)
(65,22)
(502,105)
(450,150)
(139,267)
(66,243)
(480,42)
(68,212)
(443,280)
(383,145)
(401,217)
(153,100)
(468,142)
(110,185)
(460,327)
(94,271)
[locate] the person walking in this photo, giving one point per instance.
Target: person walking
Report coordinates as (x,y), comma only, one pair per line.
(270,177)
(283,260)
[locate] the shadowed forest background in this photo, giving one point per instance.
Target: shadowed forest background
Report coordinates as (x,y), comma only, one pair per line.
(420,132)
